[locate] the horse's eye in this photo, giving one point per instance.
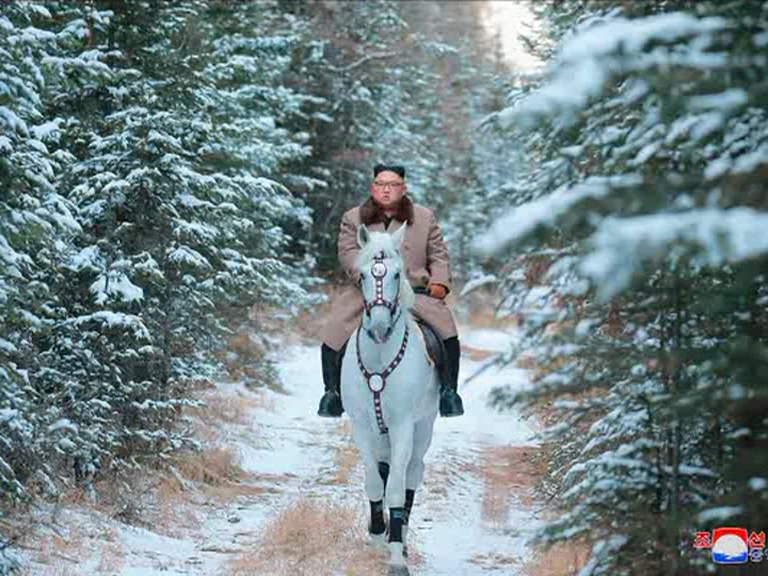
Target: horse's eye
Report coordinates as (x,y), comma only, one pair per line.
(397,276)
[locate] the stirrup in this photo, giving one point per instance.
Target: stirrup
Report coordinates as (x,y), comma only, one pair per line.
(450,403)
(330,405)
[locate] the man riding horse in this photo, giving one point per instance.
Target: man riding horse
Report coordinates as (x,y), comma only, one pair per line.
(425,254)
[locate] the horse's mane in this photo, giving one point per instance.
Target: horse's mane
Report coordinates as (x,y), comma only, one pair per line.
(382,242)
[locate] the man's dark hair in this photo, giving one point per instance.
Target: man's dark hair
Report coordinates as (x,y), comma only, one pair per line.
(396,168)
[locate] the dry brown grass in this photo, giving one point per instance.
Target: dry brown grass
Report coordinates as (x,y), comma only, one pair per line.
(314,539)
(495,561)
(346,456)
(231,409)
(112,559)
(346,459)
(478,309)
(508,473)
(489,319)
(247,358)
(241,355)
(217,471)
(163,496)
(166,498)
(565,559)
(62,553)
(476,354)
(53,548)
(304,328)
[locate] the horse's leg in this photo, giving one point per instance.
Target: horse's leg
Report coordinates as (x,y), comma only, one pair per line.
(401,443)
(371,448)
(414,476)
(378,525)
(384,473)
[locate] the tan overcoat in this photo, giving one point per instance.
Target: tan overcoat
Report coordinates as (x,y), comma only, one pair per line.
(426,260)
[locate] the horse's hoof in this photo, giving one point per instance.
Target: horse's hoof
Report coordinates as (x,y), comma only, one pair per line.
(330,405)
(398,571)
(379,541)
(451,404)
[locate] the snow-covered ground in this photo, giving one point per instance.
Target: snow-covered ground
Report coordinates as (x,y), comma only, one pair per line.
(469,518)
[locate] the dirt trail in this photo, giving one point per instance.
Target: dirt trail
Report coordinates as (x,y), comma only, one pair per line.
(295,502)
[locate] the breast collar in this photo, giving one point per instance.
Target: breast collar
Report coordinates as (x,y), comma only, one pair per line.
(377,381)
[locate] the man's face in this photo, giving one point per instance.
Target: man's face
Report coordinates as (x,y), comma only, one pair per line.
(387,189)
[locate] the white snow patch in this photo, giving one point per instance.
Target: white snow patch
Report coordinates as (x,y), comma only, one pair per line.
(758,484)
(115,284)
(719,514)
(63,424)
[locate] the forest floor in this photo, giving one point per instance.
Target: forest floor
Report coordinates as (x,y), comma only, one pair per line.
(279,491)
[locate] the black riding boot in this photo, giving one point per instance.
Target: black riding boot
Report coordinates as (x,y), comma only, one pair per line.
(330,403)
(450,401)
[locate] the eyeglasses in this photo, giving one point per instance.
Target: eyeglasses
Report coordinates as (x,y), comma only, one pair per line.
(386,185)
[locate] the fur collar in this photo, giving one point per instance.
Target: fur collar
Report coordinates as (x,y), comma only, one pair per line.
(371,213)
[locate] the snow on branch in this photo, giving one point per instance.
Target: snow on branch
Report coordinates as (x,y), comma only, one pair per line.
(587,60)
(621,245)
(523,220)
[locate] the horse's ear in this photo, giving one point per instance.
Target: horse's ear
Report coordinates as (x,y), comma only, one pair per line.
(399,235)
(363,235)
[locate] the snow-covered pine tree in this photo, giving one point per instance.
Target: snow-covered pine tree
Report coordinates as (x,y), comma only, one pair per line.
(378,73)
(139,208)
(37,224)
(407,85)
(649,148)
(344,60)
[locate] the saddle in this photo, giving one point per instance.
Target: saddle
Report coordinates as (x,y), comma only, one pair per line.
(434,344)
(435,348)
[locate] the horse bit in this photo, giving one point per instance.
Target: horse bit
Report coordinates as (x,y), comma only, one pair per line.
(377,381)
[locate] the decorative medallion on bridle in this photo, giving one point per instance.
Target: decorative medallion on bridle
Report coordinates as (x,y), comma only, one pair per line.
(377,381)
(379,270)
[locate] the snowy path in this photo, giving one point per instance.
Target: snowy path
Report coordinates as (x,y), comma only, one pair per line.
(469,518)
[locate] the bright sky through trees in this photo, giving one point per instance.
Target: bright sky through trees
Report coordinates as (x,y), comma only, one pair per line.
(510,19)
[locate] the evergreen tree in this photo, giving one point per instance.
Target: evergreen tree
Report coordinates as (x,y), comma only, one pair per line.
(647,145)
(141,214)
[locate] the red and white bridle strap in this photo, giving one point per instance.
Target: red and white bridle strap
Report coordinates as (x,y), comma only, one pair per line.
(379,270)
(377,381)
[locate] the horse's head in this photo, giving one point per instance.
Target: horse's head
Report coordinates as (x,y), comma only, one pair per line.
(383,281)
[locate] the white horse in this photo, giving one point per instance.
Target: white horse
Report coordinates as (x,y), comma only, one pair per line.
(390,390)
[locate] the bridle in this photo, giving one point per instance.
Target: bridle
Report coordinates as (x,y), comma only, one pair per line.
(379,270)
(377,381)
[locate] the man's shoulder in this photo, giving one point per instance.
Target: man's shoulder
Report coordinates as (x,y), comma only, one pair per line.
(422,211)
(352,214)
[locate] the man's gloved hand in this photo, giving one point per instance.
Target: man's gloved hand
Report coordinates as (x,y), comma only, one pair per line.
(438,291)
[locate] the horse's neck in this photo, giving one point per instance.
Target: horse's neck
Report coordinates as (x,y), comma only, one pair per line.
(377,356)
